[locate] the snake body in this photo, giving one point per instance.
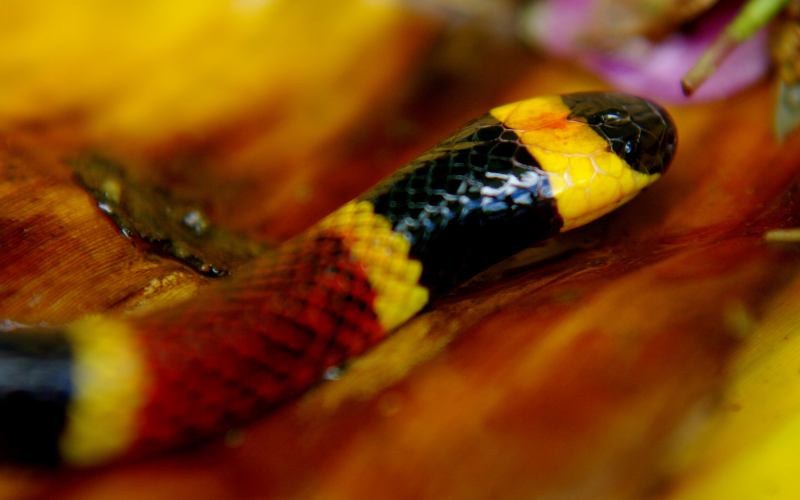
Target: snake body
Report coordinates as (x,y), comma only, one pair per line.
(108,387)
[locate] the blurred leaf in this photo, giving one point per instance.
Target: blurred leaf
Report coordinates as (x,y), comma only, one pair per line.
(171,227)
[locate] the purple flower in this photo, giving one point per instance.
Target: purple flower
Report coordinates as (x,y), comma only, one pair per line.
(639,66)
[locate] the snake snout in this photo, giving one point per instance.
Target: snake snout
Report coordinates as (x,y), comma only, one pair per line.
(658,138)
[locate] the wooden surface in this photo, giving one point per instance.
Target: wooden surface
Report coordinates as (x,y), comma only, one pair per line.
(652,354)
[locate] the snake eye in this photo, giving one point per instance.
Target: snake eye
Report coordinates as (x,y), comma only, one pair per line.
(615,118)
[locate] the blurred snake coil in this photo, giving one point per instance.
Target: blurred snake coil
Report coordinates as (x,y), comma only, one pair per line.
(106,388)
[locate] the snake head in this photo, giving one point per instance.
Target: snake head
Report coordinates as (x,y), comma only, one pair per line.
(597,150)
(639,131)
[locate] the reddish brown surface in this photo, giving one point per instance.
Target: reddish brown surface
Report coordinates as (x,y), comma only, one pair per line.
(575,378)
(59,255)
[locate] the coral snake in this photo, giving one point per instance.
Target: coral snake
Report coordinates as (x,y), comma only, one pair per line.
(108,387)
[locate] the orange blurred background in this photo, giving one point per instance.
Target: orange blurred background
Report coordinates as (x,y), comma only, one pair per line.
(649,355)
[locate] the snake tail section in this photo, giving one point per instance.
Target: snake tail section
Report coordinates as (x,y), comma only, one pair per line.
(105,388)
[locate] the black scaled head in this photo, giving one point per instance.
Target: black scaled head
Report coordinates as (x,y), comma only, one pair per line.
(638,131)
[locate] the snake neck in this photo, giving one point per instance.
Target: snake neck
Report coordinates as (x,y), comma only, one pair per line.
(471,201)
